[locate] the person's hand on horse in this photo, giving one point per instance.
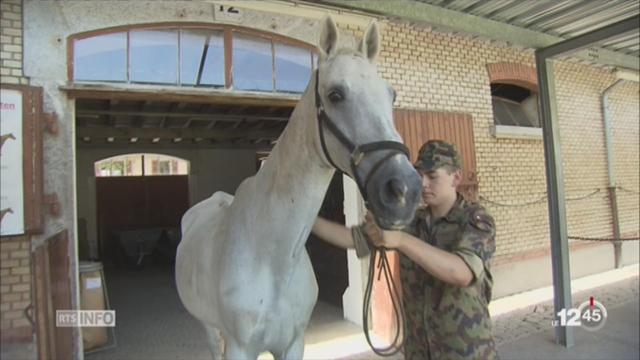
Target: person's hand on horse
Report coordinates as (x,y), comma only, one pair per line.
(378,237)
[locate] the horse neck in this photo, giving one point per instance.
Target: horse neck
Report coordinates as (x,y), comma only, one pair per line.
(295,176)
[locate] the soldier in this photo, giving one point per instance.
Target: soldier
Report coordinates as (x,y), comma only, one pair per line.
(445,258)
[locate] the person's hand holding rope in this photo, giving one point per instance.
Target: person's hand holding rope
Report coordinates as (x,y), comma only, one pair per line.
(379,238)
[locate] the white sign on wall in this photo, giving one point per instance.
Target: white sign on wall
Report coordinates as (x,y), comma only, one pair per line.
(11,187)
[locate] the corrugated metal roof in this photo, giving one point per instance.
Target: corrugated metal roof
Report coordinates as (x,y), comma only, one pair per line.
(561,18)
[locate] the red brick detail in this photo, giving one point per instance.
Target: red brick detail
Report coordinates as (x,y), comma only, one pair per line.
(515,74)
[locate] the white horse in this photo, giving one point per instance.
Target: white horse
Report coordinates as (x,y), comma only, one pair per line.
(242,268)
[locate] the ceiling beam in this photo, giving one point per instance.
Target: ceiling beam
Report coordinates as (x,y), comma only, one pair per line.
(148,146)
(454,21)
(174,93)
(172,133)
(81,113)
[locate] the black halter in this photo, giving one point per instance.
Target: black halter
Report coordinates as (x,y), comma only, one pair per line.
(357,152)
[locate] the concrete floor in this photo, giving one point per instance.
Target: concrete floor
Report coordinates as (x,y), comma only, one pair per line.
(618,339)
(151,323)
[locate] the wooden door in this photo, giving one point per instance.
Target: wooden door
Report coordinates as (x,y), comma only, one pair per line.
(417,127)
(52,285)
(138,202)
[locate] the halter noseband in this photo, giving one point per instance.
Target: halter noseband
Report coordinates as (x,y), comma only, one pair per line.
(357,152)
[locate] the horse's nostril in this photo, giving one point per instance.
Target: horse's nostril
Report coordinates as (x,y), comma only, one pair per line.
(396,189)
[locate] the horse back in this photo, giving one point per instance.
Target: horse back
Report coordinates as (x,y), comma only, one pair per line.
(198,252)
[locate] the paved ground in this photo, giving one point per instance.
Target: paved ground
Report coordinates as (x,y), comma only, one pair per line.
(528,333)
(152,324)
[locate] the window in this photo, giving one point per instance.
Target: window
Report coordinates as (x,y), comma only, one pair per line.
(514,106)
(292,67)
(141,165)
(252,64)
(195,56)
(102,58)
(154,56)
(202,55)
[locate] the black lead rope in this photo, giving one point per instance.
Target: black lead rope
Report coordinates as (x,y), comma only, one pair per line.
(398,309)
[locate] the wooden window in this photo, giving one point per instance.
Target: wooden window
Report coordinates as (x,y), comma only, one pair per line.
(101,58)
(292,68)
(135,165)
(153,56)
(252,63)
(201,58)
(199,55)
(514,106)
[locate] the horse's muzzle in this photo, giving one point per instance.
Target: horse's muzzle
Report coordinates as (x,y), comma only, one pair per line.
(394,193)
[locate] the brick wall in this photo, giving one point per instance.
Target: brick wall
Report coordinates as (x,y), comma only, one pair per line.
(11,42)
(437,71)
(15,285)
(15,252)
(624,102)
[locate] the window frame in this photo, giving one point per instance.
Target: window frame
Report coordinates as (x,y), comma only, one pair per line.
(500,131)
(227,34)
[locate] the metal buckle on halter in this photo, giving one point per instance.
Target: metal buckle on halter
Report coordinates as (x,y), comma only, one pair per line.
(356,157)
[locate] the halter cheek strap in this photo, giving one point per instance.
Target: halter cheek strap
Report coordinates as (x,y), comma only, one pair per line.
(357,152)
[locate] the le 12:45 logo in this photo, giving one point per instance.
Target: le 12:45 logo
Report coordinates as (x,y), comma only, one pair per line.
(591,315)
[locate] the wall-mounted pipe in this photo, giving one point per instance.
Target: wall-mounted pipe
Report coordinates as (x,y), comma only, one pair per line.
(606,118)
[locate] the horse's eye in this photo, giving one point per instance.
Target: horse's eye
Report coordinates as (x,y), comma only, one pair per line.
(336,96)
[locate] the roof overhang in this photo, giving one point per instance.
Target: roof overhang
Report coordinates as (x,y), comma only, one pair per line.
(455,21)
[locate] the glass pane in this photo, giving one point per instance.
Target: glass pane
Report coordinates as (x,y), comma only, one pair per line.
(293,68)
(101,57)
(252,65)
(154,56)
(192,50)
(510,113)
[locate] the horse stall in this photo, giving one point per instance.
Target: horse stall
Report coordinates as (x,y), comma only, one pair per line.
(141,163)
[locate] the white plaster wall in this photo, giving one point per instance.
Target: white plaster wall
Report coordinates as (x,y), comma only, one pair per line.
(534,273)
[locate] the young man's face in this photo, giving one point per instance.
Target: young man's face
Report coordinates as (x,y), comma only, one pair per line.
(438,186)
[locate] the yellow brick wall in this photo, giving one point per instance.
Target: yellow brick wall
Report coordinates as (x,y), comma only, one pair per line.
(437,71)
(624,102)
(11,42)
(15,281)
(15,252)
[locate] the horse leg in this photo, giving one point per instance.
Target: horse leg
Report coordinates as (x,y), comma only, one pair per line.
(294,351)
(233,351)
(215,340)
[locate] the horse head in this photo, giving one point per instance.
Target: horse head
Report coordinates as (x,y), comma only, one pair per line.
(356,130)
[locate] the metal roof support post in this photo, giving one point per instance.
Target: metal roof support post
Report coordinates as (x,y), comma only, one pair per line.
(555,191)
(553,160)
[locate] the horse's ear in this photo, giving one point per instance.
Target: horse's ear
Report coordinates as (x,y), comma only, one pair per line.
(328,36)
(370,45)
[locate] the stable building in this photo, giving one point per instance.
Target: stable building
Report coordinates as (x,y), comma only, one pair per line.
(119,116)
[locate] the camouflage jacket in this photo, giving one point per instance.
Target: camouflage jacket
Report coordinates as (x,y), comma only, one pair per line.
(445,321)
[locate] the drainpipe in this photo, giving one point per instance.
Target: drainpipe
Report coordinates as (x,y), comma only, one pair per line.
(606,117)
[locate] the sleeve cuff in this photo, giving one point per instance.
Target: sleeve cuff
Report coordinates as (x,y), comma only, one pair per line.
(360,242)
(473,261)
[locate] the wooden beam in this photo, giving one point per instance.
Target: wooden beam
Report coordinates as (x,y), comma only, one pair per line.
(148,146)
(191,115)
(172,133)
(172,93)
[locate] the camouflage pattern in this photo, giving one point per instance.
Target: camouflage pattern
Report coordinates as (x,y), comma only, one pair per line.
(437,153)
(445,321)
